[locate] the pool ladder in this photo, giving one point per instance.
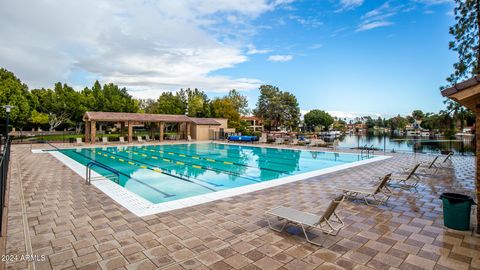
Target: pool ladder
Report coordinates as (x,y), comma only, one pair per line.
(115,176)
(365,150)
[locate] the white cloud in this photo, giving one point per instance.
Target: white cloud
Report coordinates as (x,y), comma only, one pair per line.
(378,17)
(252,50)
(349,5)
(373,25)
(434,2)
(280,58)
(146,46)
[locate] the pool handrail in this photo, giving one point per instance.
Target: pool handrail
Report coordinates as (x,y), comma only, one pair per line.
(88,173)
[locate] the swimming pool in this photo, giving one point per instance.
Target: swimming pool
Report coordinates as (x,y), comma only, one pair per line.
(157,174)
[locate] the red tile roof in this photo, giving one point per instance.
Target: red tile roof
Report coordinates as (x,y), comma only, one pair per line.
(134,117)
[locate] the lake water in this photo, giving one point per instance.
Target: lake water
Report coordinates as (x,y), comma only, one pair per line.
(390,143)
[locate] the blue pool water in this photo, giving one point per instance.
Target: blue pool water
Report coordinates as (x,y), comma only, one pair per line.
(163,173)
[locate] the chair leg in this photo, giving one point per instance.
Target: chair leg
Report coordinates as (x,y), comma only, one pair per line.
(310,241)
(272,227)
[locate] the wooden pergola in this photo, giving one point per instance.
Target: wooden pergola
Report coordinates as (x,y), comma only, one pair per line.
(467,93)
(130,119)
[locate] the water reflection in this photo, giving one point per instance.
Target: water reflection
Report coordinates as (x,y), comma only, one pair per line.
(391,143)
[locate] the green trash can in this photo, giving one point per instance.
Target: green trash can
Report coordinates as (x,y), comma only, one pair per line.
(456,211)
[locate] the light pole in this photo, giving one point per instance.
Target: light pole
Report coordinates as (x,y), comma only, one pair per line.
(8,108)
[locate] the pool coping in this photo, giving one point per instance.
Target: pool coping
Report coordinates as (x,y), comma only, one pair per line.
(142,207)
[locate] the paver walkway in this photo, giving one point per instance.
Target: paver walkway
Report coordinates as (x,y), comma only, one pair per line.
(73,225)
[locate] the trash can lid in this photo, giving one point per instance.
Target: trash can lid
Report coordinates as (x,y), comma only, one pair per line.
(457,198)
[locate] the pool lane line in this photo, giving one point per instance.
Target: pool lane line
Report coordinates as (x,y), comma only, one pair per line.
(206,168)
(258,159)
(256,150)
(222,161)
(197,166)
(163,171)
(218,170)
(167,195)
(277,151)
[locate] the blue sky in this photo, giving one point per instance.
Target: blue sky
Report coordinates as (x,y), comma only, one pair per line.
(349,57)
(387,70)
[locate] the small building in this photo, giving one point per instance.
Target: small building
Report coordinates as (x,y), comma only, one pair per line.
(188,127)
(254,123)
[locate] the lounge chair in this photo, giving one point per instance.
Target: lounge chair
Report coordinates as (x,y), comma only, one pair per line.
(122,139)
(189,138)
(447,161)
(294,142)
(328,223)
(408,175)
(139,139)
(147,138)
(426,166)
(379,193)
(79,141)
(104,140)
(279,140)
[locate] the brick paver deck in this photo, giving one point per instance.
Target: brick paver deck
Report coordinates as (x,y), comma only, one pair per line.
(53,213)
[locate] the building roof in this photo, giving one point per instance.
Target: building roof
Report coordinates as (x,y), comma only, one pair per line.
(145,117)
(250,118)
(467,93)
(461,86)
(134,117)
(204,121)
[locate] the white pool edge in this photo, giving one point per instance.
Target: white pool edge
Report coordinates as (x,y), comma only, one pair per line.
(142,207)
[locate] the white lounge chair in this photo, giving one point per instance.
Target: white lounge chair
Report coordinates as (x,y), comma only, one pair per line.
(328,223)
(294,142)
(279,140)
(140,140)
(79,141)
(104,140)
(379,193)
(122,139)
(147,138)
(189,138)
(406,177)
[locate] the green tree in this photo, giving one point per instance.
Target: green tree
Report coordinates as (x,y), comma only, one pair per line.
(224,108)
(14,92)
(239,101)
(317,118)
(418,115)
(38,118)
(466,43)
(169,103)
(277,108)
(198,104)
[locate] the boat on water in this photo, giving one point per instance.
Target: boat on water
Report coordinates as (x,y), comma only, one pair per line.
(330,134)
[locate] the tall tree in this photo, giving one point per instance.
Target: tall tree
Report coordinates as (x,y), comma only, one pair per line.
(169,103)
(239,101)
(317,119)
(466,43)
(466,34)
(198,104)
(14,92)
(224,108)
(277,108)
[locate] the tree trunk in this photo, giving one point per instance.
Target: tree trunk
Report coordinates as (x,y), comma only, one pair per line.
(477,9)
(477,150)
